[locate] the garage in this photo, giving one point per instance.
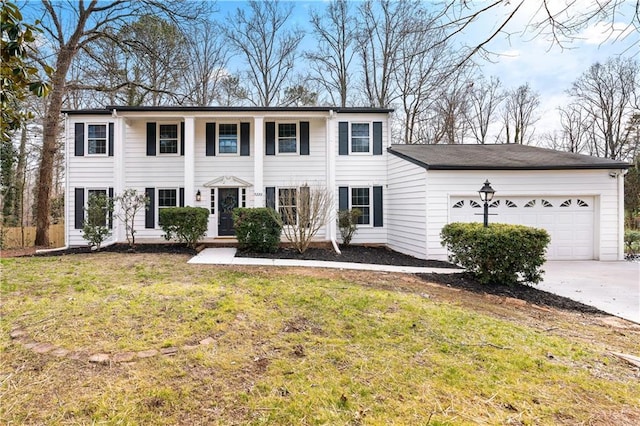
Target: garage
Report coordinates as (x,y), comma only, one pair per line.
(569,220)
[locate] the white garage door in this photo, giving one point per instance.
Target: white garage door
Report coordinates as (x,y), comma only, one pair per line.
(569,220)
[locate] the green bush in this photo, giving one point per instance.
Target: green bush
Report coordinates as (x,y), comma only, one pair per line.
(95,228)
(257,229)
(499,253)
(185,224)
(348,224)
(632,240)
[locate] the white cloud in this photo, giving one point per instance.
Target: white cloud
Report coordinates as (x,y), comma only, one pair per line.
(603,32)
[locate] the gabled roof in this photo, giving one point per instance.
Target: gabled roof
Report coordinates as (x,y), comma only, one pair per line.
(110,109)
(499,157)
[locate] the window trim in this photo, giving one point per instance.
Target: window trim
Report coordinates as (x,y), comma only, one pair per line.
(277,137)
(168,154)
(370,138)
(228,154)
(278,206)
(106,140)
(88,194)
(370,206)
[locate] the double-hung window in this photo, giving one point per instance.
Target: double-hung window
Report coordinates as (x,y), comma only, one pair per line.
(168,139)
(228,138)
(287,205)
(361,200)
(287,138)
(94,217)
(96,139)
(360,137)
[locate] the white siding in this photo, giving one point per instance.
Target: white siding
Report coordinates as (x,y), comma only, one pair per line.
(406,208)
(595,183)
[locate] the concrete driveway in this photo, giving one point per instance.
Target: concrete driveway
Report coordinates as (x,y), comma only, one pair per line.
(613,287)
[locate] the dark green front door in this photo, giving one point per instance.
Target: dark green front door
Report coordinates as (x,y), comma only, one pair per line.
(228,201)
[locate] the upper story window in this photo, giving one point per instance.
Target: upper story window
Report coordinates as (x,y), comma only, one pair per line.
(168,139)
(286,138)
(360,137)
(360,200)
(228,138)
(97,139)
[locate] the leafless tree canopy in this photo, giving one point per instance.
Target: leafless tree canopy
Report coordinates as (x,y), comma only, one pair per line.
(519,114)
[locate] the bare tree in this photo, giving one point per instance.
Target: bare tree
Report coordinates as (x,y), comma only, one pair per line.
(518,114)
(304,210)
(449,110)
(72,27)
(269,49)
(335,33)
(485,97)
(576,128)
(607,97)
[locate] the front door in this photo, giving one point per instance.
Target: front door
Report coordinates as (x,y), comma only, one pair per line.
(228,201)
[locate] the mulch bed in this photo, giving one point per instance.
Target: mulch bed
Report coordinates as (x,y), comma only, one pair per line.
(374,255)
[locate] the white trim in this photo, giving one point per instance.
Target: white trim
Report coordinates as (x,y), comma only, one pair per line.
(227,182)
(350,138)
(277,137)
(178,140)
(370,206)
(238,136)
(106,139)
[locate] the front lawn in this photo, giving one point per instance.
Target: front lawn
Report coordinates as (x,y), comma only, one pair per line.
(293,346)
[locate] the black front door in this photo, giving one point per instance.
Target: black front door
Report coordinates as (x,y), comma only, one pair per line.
(228,201)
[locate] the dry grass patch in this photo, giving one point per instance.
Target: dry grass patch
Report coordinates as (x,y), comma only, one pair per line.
(293,346)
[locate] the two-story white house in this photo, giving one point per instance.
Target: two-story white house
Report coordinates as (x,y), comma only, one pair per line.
(221,158)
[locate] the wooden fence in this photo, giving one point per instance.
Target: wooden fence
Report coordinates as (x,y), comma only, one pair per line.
(12,237)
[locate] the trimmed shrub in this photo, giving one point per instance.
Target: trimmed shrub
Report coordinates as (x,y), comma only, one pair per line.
(95,228)
(500,253)
(185,224)
(348,224)
(632,241)
(257,229)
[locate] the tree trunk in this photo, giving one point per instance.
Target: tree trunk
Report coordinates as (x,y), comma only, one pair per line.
(49,146)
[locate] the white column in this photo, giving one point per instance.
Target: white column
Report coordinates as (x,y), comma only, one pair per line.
(258,162)
(189,161)
(119,170)
(330,227)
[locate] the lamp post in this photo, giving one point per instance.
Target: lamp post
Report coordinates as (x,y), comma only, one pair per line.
(486,195)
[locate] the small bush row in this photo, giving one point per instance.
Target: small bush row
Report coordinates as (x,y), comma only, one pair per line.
(499,253)
(257,229)
(185,224)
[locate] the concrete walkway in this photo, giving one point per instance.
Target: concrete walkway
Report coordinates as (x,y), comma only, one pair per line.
(612,287)
(226,256)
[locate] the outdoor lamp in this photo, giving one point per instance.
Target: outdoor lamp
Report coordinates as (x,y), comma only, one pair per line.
(198,196)
(486,195)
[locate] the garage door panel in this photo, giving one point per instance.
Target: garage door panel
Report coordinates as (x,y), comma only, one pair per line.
(570,222)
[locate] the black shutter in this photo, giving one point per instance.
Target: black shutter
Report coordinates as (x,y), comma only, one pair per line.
(78,208)
(110,148)
(270,192)
(343,138)
(377,206)
(270,138)
(245,150)
(150,216)
(181,197)
(111,210)
(377,138)
(343,198)
(182,138)
(304,138)
(210,139)
(79,140)
(151,138)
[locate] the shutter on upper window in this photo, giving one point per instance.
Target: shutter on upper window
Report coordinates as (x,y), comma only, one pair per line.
(270,138)
(79,140)
(110,147)
(78,208)
(377,206)
(245,149)
(150,215)
(111,210)
(270,192)
(151,139)
(210,139)
(343,198)
(182,138)
(343,138)
(181,197)
(377,138)
(304,138)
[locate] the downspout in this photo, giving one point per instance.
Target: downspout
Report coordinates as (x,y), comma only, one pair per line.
(620,176)
(331,175)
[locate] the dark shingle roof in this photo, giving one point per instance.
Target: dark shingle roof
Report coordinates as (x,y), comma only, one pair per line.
(109,109)
(499,157)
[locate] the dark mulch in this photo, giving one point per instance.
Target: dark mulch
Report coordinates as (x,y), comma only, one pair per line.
(374,255)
